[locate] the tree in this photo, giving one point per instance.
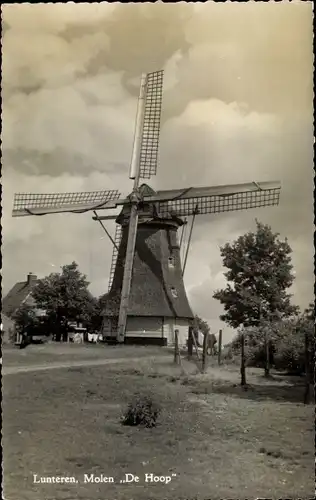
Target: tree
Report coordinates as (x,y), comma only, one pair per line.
(102,300)
(204,328)
(287,344)
(310,311)
(28,323)
(201,325)
(65,297)
(93,316)
(25,319)
(259,274)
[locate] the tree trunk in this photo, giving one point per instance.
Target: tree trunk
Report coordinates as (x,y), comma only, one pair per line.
(267,353)
(190,343)
(219,346)
(205,349)
(176,346)
(243,363)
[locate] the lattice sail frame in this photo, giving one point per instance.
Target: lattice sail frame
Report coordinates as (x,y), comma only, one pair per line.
(151,125)
(220,203)
(25,203)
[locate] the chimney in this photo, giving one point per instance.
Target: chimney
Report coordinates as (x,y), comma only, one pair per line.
(31,278)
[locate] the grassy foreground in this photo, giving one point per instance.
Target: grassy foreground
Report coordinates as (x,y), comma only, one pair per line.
(53,352)
(219,441)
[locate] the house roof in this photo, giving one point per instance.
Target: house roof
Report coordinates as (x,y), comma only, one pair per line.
(17,295)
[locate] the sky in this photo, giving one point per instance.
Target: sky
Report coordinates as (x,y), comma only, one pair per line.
(237,107)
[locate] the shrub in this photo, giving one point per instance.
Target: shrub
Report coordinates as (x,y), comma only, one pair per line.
(290,346)
(286,344)
(143,411)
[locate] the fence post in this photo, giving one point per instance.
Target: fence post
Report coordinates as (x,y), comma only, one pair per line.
(195,344)
(211,349)
(176,346)
(220,333)
(205,349)
(190,343)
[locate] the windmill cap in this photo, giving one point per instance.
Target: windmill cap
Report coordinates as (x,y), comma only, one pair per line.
(146,190)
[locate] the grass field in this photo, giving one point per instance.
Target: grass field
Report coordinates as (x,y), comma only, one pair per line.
(218,440)
(60,352)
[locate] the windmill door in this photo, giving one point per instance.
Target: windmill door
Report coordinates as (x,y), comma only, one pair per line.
(172,324)
(147,327)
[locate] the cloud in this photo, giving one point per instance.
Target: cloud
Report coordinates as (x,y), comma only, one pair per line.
(237,108)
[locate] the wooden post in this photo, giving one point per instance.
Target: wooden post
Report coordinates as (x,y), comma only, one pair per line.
(243,363)
(307,393)
(220,334)
(195,345)
(205,349)
(190,343)
(176,346)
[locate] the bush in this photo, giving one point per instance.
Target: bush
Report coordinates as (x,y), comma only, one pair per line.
(286,344)
(290,346)
(142,411)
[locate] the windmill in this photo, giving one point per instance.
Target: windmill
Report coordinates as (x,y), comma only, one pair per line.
(147,297)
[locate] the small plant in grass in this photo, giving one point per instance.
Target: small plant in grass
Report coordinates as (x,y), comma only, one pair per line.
(271,453)
(142,411)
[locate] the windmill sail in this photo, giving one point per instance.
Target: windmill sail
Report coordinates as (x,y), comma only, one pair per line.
(207,200)
(117,241)
(151,126)
(49,203)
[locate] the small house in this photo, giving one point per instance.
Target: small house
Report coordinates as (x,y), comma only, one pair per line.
(20,293)
(7,329)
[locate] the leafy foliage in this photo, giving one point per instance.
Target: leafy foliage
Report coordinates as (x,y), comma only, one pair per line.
(143,411)
(63,294)
(286,344)
(259,274)
(65,297)
(310,311)
(102,300)
(91,315)
(201,325)
(290,345)
(25,319)
(94,318)
(28,323)
(204,328)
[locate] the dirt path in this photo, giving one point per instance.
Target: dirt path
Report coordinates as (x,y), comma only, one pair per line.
(12,370)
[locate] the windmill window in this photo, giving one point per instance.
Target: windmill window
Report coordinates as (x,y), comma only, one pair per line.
(171,261)
(174,292)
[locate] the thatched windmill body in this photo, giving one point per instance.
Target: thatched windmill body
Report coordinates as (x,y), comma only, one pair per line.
(158,302)
(147,300)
